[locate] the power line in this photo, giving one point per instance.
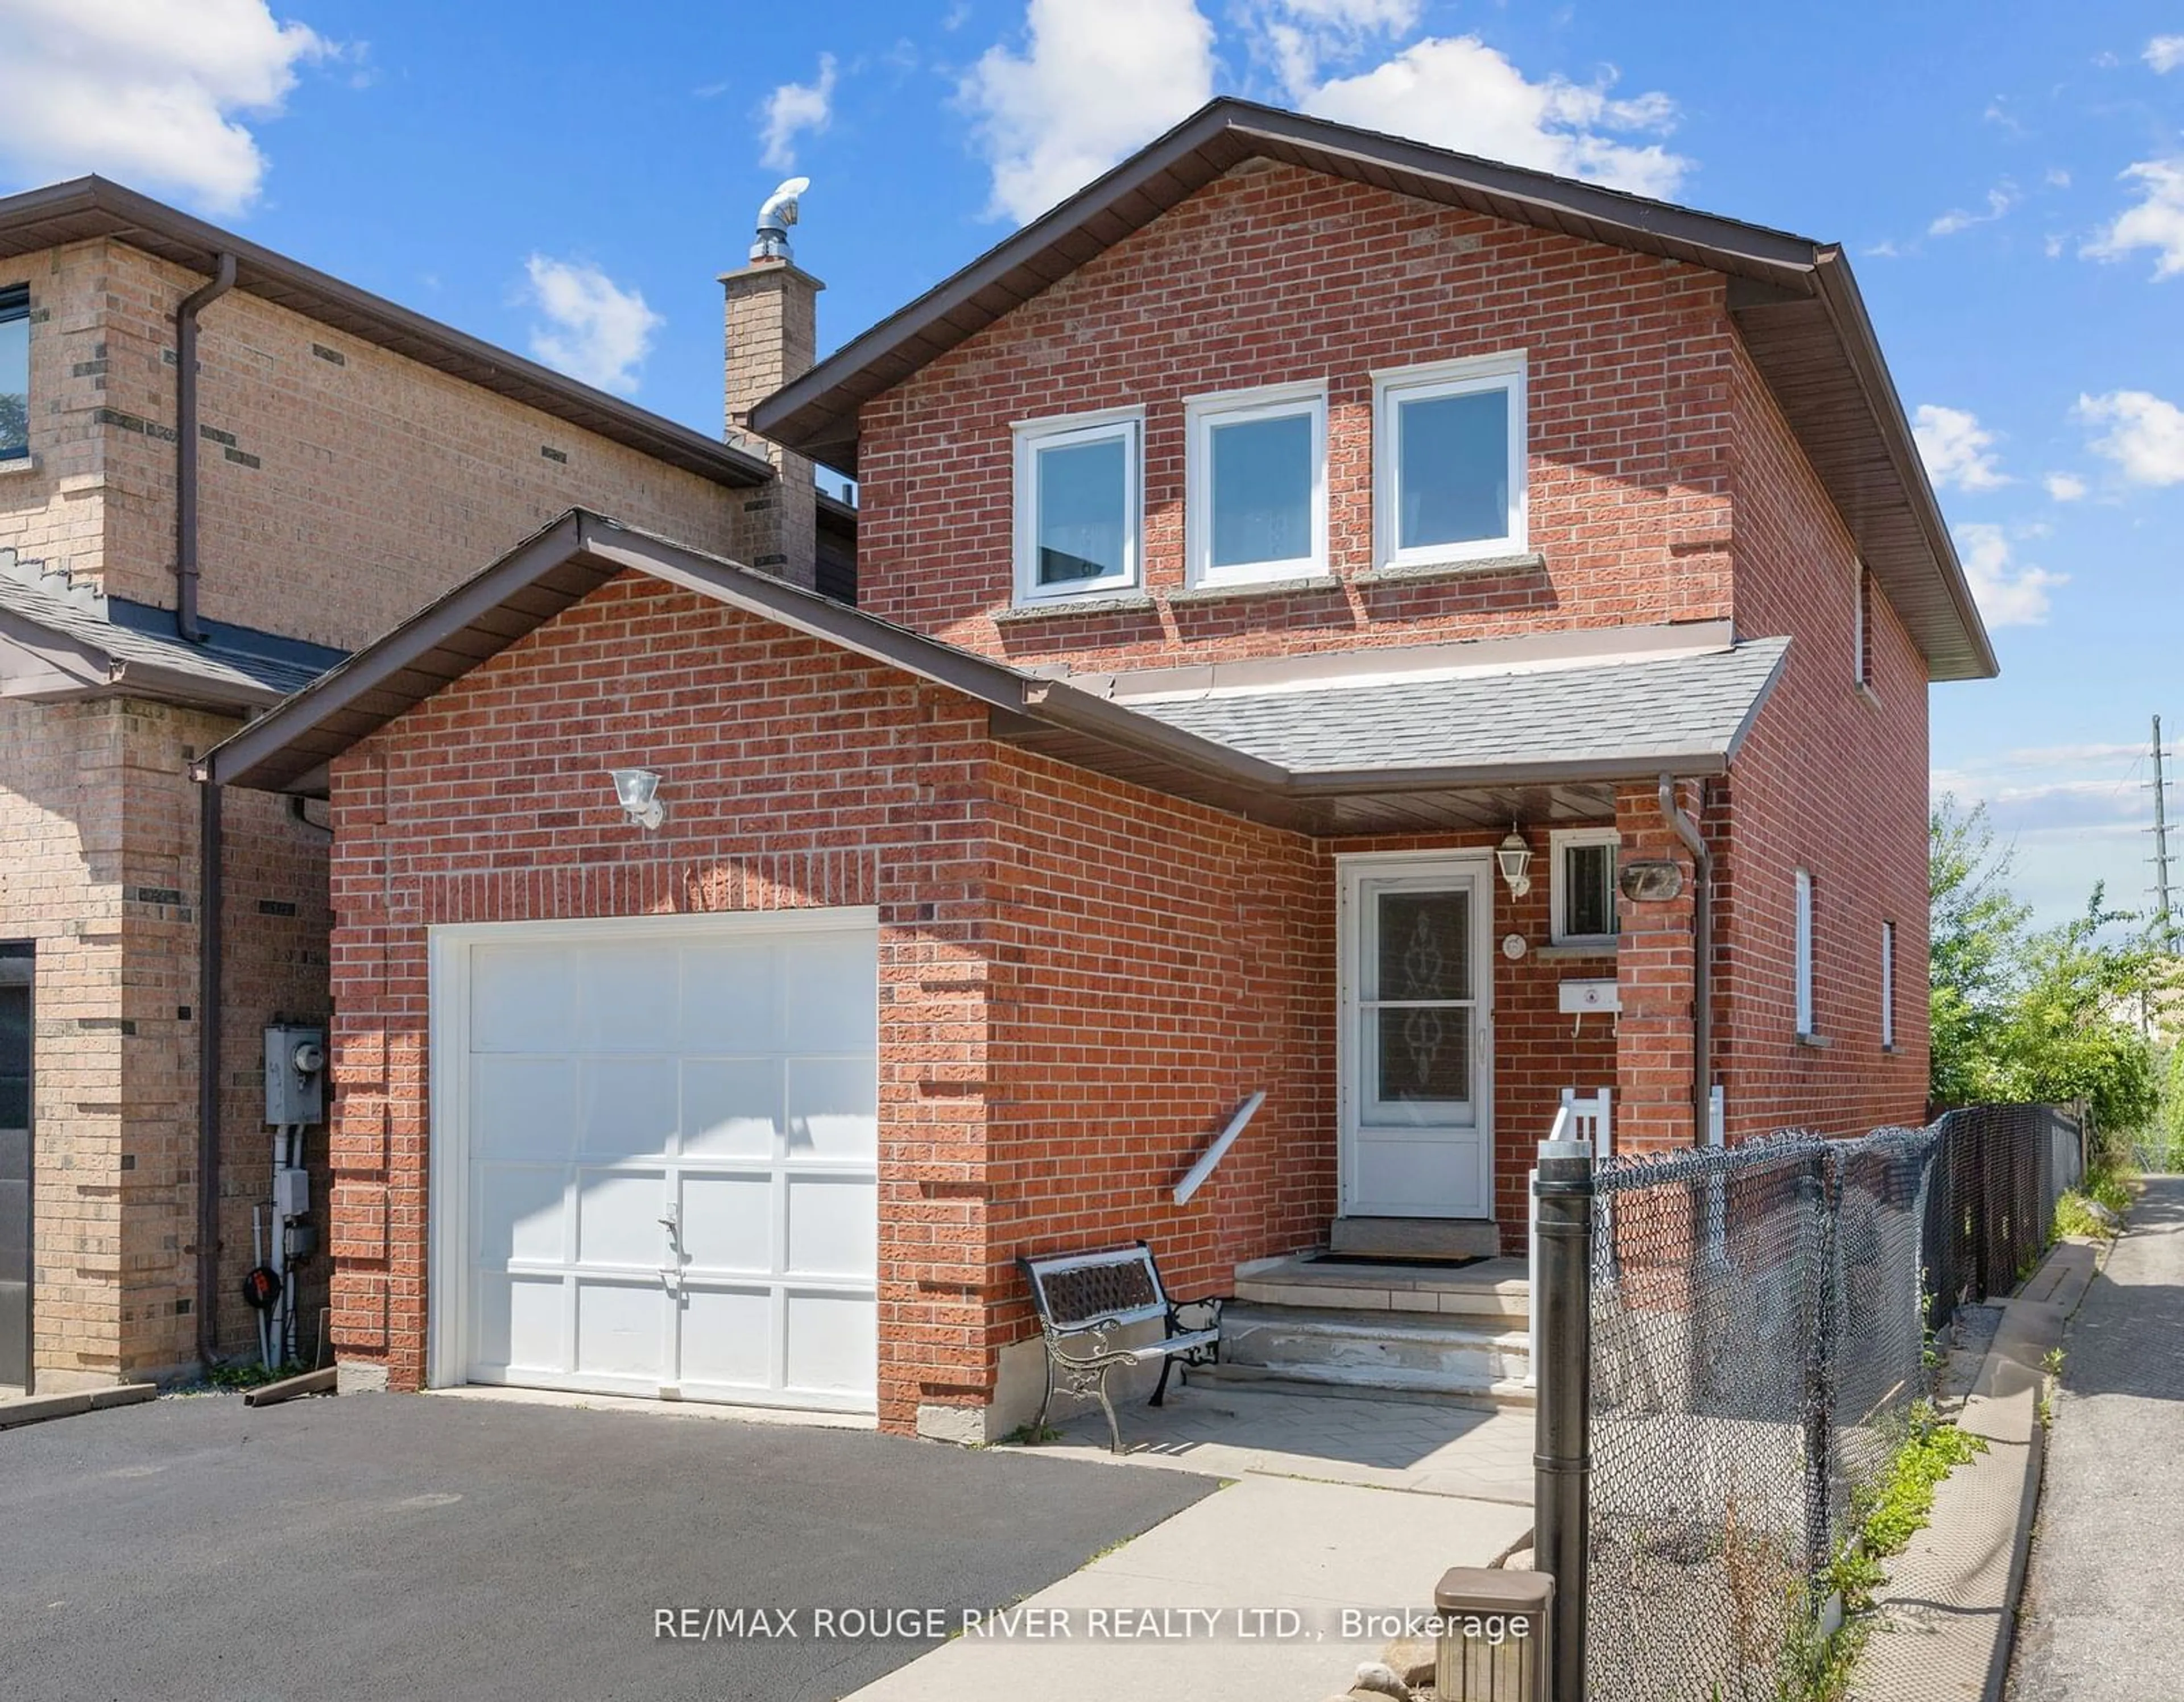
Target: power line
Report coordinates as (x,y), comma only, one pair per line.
(2160,833)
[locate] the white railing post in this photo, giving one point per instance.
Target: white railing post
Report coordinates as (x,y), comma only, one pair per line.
(1194,1178)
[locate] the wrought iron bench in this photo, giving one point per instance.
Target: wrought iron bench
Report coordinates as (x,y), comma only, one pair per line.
(1084,1299)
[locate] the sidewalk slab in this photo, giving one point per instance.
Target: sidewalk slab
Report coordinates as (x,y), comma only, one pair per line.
(1264,1542)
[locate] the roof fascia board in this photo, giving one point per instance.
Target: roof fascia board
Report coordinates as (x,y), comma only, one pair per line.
(229,763)
(653,433)
(1846,309)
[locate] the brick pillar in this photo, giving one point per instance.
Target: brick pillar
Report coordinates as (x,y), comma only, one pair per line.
(771,331)
(1654,964)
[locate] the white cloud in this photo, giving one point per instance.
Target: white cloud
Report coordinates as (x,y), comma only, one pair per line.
(2156,223)
(591,328)
(151,91)
(2065,487)
(1302,35)
(2145,437)
(2010,593)
(1093,83)
(1999,200)
(2165,53)
(1956,449)
(1457,92)
(793,108)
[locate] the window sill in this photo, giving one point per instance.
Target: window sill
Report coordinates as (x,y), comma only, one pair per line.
(1866,694)
(1432,572)
(1567,950)
(1888,1048)
(17,464)
(1289,586)
(1112,602)
(1817,1042)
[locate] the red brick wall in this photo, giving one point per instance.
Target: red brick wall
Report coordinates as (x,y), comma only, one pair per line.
(1833,780)
(1275,274)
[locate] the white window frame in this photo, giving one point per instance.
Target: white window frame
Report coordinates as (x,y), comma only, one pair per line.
(1468,376)
(1032,436)
(1803,948)
(1562,839)
(1888,986)
(1201,415)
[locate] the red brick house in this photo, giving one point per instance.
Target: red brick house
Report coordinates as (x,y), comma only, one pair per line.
(1250,550)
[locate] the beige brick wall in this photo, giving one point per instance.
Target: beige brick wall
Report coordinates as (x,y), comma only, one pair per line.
(342,494)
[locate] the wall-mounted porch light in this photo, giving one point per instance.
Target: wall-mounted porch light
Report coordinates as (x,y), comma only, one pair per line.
(635,788)
(1515,857)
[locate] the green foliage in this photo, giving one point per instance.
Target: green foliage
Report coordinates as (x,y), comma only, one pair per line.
(2047,1016)
(1896,1507)
(246,1374)
(2104,1187)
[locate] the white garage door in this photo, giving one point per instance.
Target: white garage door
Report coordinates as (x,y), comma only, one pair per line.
(668,1177)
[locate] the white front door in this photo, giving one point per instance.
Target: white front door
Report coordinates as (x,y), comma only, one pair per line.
(655,1156)
(1417,1031)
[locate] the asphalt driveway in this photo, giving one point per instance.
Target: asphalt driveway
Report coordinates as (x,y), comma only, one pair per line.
(384,1546)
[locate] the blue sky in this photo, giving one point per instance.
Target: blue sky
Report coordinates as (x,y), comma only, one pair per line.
(570,179)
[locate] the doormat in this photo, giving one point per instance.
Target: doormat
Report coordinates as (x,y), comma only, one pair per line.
(1421,1263)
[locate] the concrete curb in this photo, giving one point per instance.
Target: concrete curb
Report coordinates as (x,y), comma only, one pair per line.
(1948,1612)
(37,1408)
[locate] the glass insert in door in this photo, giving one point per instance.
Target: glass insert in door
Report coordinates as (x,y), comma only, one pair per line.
(1422,1012)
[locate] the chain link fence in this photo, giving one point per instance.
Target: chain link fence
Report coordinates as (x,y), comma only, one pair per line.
(1759,1329)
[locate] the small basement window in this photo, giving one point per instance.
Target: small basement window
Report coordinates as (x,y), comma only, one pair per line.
(1256,486)
(1888,986)
(1581,885)
(1449,461)
(1076,505)
(14,373)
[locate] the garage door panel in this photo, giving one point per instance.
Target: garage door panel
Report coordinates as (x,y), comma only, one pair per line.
(731,1107)
(618,1215)
(727,1222)
(718,1073)
(732,997)
(833,1107)
(520,1324)
(833,1226)
(728,1338)
(831,1002)
(522,1214)
(621,1329)
(832,1343)
(523,1108)
(628,998)
(630,1107)
(522,1000)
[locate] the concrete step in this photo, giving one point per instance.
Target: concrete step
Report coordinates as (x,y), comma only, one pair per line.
(1494,1290)
(1438,1354)
(1259,1380)
(1415,1238)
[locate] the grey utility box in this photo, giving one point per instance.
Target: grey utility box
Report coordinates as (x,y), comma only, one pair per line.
(1493,1635)
(295,1074)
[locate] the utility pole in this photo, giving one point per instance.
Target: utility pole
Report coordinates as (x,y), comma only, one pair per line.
(2160,837)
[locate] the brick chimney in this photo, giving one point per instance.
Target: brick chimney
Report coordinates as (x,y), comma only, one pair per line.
(772,336)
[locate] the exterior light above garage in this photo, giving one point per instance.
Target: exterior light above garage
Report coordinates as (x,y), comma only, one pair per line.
(635,788)
(1515,857)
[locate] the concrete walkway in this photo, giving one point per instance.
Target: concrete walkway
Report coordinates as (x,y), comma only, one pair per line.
(2104,1617)
(1335,1504)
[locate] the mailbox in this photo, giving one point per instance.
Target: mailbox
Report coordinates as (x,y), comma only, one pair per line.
(1493,1635)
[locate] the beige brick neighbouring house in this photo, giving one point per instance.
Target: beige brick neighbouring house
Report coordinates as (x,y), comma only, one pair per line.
(353,460)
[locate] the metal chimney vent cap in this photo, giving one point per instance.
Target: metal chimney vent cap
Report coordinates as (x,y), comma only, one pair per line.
(775,215)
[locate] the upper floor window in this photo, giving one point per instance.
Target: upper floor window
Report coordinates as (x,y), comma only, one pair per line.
(1801,945)
(1256,473)
(1581,885)
(1078,482)
(1448,472)
(14,373)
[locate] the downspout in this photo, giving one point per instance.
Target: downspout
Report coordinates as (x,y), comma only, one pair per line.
(185,446)
(1702,955)
(209,1046)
